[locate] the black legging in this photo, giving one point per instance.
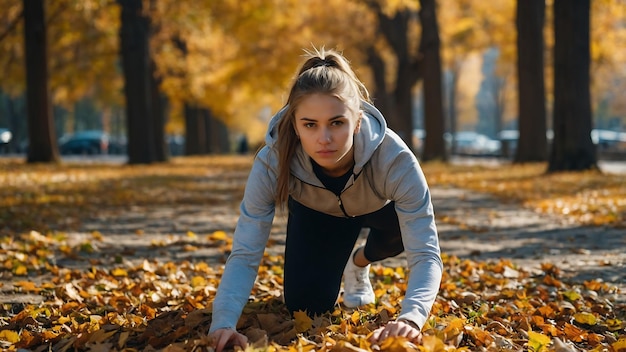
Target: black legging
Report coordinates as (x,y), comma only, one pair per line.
(318,247)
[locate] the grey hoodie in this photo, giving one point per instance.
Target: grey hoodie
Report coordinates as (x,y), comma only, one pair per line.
(385,170)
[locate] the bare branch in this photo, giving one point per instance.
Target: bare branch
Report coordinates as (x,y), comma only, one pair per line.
(12,25)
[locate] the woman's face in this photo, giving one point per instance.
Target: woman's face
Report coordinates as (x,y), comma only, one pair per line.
(326,128)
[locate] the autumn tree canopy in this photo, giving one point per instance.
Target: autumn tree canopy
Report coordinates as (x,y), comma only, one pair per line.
(240,56)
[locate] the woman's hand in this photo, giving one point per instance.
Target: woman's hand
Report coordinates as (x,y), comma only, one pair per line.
(402,328)
(228,337)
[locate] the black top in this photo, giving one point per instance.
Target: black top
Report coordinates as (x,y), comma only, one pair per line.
(334,184)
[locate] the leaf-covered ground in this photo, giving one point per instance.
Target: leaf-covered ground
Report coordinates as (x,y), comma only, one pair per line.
(91,298)
(590,197)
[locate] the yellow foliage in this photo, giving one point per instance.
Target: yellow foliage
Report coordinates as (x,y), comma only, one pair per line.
(119,272)
(585,318)
(538,342)
(218,236)
(619,345)
(9,336)
(302,321)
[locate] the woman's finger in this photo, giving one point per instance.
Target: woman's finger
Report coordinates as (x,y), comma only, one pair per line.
(223,339)
(395,329)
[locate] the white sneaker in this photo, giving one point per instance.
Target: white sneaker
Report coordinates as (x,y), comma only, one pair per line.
(358,290)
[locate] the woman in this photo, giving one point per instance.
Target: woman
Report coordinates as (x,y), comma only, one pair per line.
(331,158)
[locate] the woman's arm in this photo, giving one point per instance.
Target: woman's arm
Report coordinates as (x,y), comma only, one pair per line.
(251,235)
(407,186)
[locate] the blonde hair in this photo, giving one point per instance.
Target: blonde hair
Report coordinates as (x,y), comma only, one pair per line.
(323,72)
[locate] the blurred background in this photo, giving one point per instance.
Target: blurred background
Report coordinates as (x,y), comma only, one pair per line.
(152,79)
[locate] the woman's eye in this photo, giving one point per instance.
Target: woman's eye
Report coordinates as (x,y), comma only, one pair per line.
(337,123)
(309,125)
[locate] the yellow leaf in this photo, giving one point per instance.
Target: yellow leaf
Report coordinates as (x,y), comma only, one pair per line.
(537,342)
(585,318)
(615,324)
(356,317)
(198,281)
(20,270)
(387,271)
(346,347)
(400,272)
(97,235)
(303,321)
(119,272)
(401,344)
(218,236)
(27,286)
(572,295)
(10,336)
(619,345)
(191,235)
(49,335)
(454,328)
(432,343)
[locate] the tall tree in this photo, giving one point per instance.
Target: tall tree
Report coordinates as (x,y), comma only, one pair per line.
(434,144)
(158,100)
(136,65)
(532,143)
(159,103)
(399,100)
(197,118)
(195,130)
(572,148)
(42,137)
(217,135)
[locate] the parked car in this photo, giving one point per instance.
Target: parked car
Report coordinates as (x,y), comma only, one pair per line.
(608,140)
(418,139)
(5,138)
(474,143)
(85,142)
(605,140)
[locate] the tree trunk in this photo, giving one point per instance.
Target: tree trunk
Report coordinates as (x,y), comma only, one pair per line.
(380,95)
(15,124)
(159,105)
(572,148)
(42,137)
(223,137)
(434,144)
(135,50)
(195,131)
(398,103)
(532,144)
(499,98)
(452,108)
(159,102)
(217,135)
(403,98)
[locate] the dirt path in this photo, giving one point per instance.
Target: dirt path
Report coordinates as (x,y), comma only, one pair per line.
(501,230)
(471,225)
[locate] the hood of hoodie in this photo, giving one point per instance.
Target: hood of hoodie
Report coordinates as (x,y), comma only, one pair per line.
(366,141)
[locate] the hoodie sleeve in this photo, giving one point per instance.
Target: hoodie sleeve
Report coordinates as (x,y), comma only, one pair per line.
(407,185)
(250,238)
